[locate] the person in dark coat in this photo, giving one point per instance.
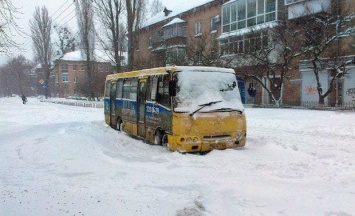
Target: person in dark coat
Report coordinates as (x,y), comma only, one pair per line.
(24,99)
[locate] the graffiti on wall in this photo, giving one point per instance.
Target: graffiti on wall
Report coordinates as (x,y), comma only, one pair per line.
(351,93)
(311,90)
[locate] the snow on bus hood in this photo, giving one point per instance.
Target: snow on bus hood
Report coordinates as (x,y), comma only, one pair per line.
(207,89)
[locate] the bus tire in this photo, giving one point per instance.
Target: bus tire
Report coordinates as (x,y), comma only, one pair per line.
(119,125)
(158,137)
(164,140)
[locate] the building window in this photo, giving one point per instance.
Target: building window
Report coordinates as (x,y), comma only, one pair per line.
(214,22)
(75,67)
(82,67)
(199,57)
(198,27)
(235,45)
(288,2)
(65,76)
(136,44)
(243,14)
(241,10)
(312,36)
(175,55)
(74,79)
(101,68)
(149,42)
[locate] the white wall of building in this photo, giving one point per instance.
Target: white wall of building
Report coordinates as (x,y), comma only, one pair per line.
(349,87)
(309,93)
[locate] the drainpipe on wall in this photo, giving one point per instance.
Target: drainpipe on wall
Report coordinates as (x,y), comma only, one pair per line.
(338,47)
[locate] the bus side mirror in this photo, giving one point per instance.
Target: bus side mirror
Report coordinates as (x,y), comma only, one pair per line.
(172,88)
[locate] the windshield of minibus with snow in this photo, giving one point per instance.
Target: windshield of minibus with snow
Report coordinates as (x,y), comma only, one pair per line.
(207,91)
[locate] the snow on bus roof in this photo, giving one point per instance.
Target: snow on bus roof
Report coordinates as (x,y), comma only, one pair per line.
(164,70)
(204,68)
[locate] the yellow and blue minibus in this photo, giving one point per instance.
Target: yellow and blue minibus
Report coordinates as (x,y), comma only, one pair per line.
(185,108)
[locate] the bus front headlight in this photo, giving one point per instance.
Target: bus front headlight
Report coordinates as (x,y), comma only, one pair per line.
(239,136)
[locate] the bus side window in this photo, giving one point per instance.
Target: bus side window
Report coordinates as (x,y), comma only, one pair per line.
(153,87)
(133,93)
(130,89)
(108,89)
(163,91)
(119,88)
(126,88)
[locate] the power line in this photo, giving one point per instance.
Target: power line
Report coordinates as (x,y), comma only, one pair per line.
(62,12)
(28,42)
(60,8)
(66,17)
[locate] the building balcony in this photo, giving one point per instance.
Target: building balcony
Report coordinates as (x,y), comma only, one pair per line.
(169,39)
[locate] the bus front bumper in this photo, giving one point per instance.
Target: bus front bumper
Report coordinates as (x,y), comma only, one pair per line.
(205,146)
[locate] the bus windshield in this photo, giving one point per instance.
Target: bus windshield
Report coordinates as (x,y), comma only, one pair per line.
(207,91)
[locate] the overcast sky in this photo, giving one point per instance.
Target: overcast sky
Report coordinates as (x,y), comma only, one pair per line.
(61,11)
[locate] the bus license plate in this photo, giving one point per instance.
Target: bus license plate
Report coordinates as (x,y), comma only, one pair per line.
(218,146)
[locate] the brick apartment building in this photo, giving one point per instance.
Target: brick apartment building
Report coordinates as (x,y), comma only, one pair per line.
(217,32)
(70,75)
(168,37)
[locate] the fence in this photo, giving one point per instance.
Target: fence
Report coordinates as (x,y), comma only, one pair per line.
(79,103)
(314,105)
(349,106)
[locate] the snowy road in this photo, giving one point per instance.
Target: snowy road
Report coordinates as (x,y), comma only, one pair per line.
(64,160)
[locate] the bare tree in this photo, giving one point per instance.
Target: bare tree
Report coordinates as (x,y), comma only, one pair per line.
(8,26)
(85,16)
(66,41)
(323,32)
(110,15)
(272,54)
(135,10)
(15,77)
(155,7)
(202,50)
(41,30)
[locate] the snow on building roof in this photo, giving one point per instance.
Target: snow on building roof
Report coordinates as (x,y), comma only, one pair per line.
(73,56)
(175,8)
(175,20)
(229,2)
(99,55)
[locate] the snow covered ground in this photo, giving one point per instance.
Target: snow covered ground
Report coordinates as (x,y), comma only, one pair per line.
(64,160)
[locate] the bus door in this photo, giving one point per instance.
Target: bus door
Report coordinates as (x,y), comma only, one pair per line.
(112,104)
(141,107)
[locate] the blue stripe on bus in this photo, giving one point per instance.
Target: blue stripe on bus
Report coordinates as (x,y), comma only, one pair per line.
(152,108)
(128,105)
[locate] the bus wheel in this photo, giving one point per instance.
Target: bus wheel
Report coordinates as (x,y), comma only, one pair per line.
(158,137)
(164,140)
(119,126)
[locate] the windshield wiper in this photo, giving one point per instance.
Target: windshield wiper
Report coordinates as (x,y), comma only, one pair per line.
(227,110)
(204,105)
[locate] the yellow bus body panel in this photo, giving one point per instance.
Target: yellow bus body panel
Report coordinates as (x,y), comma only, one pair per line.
(139,74)
(207,131)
